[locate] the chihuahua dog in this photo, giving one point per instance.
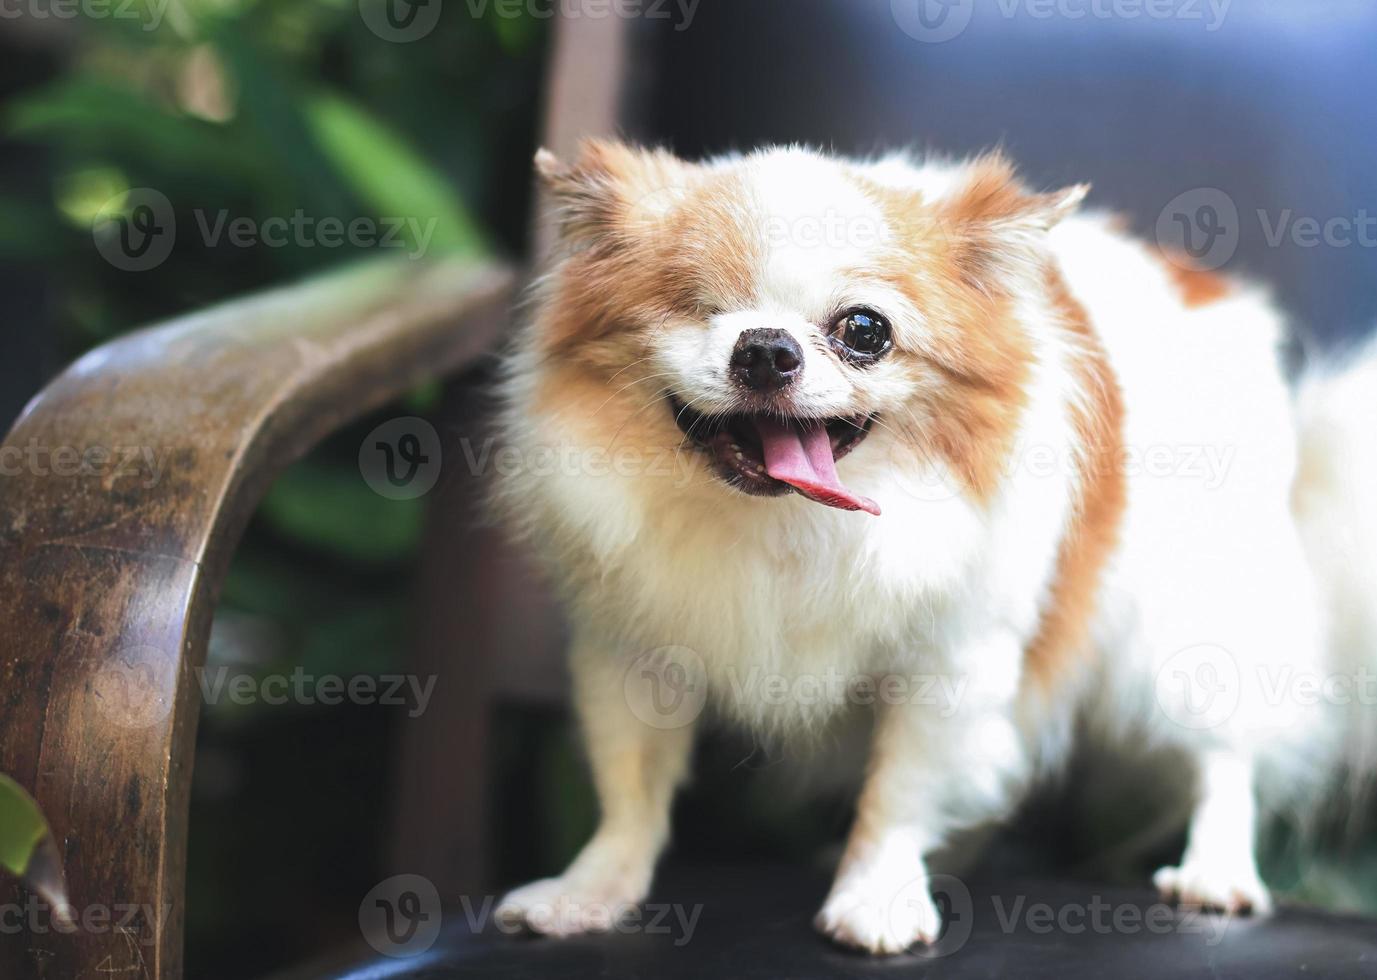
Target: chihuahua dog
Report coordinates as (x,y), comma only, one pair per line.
(905,437)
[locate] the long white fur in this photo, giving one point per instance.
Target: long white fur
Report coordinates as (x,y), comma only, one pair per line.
(943,586)
(1336,503)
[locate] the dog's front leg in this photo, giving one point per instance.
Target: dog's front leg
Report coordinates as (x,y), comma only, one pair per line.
(1218,870)
(934,769)
(638,739)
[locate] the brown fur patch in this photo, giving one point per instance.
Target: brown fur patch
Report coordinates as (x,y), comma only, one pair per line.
(944,262)
(1198,287)
(992,210)
(1098,509)
(649,238)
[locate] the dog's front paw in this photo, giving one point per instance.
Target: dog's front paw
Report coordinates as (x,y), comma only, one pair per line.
(880,916)
(1237,891)
(569,905)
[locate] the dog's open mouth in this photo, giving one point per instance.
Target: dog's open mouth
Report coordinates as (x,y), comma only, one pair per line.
(769,454)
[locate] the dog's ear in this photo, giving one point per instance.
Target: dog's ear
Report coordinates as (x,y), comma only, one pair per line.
(992,196)
(999,225)
(613,192)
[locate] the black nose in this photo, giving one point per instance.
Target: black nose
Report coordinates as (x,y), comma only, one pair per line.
(766,360)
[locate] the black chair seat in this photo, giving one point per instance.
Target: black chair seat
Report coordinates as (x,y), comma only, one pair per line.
(756,924)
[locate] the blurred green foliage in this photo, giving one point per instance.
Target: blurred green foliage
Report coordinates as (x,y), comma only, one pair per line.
(260,110)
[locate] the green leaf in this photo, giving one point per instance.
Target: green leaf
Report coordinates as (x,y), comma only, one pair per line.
(365,639)
(90,115)
(392,177)
(272,112)
(22,827)
(27,848)
(28,232)
(425,399)
(333,509)
(516,34)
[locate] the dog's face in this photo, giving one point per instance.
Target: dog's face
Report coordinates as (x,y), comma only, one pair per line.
(784,308)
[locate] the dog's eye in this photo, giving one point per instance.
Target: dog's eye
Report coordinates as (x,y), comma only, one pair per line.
(863,333)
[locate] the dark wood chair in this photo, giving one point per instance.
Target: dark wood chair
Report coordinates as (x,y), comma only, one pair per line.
(107,591)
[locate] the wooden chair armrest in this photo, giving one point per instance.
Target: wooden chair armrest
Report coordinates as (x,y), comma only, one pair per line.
(124,488)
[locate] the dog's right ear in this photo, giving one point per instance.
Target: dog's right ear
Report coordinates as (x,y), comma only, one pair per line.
(612,191)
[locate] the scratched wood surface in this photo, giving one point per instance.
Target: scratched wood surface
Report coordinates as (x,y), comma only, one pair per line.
(124,488)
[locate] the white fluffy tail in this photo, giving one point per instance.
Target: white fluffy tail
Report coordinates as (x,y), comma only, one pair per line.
(1336,505)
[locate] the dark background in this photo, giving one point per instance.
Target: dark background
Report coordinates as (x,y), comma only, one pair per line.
(221,112)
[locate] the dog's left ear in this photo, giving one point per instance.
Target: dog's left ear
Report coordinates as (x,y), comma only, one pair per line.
(1043,212)
(1000,226)
(613,191)
(993,198)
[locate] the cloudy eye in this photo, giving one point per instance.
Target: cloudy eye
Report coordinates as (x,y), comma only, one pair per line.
(862,334)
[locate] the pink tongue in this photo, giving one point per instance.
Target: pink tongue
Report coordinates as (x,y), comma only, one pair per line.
(802,457)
